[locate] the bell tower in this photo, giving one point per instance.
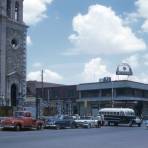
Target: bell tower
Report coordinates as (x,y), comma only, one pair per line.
(12,53)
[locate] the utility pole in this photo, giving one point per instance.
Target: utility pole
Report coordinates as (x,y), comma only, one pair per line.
(38,100)
(42,81)
(112,97)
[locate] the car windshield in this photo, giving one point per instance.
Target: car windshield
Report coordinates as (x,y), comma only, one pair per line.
(19,114)
(51,119)
(88,118)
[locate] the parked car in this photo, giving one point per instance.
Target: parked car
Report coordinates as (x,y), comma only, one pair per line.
(1,119)
(146,124)
(50,122)
(21,120)
(87,122)
(62,121)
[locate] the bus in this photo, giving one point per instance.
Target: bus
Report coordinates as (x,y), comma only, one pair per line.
(115,116)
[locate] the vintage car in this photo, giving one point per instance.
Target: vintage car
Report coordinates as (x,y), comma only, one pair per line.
(146,124)
(50,122)
(1,119)
(21,120)
(88,122)
(62,121)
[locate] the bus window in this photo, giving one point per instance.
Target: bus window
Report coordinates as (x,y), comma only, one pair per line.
(122,113)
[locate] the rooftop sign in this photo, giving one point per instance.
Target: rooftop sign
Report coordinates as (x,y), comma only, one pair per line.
(124,69)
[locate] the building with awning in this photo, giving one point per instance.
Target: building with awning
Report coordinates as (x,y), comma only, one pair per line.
(121,93)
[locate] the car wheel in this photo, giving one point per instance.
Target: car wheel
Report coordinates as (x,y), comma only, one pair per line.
(139,124)
(131,124)
(99,124)
(89,126)
(17,127)
(58,127)
(73,125)
(39,127)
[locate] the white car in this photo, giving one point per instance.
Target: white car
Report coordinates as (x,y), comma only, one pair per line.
(146,123)
(87,122)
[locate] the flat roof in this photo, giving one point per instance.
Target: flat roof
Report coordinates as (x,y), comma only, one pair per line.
(112,84)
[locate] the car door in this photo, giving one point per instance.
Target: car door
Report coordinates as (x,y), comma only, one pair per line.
(66,121)
(27,119)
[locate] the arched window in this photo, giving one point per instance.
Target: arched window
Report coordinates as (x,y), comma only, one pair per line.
(16,11)
(14,91)
(9,8)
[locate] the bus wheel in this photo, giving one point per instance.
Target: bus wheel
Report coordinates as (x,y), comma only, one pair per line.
(108,123)
(115,124)
(131,123)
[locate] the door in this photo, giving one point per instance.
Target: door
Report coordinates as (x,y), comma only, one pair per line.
(13,95)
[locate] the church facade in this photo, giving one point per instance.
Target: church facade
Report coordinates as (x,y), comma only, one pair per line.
(12,53)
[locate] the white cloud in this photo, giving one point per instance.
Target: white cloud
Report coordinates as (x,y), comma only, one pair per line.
(35,10)
(145,26)
(142,78)
(29,41)
(142,6)
(102,31)
(37,65)
(49,76)
(94,70)
(137,61)
(145,59)
(133,61)
(130,18)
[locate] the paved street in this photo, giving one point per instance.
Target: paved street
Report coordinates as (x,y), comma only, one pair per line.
(106,137)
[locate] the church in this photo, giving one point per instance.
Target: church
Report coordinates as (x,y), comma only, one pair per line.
(13,33)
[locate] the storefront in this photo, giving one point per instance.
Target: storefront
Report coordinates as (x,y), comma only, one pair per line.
(123,93)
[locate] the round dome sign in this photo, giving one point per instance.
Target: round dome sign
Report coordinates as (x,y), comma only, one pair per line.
(124,69)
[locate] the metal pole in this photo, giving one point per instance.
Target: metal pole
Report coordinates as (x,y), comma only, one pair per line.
(42,81)
(48,96)
(112,98)
(36,105)
(37,108)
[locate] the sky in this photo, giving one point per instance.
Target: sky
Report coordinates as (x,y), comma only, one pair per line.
(81,41)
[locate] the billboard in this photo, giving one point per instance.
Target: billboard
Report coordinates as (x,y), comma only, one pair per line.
(124,69)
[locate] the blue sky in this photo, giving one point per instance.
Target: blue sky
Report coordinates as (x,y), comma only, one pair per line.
(78,41)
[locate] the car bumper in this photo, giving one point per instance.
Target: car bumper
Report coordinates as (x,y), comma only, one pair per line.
(83,125)
(50,126)
(8,126)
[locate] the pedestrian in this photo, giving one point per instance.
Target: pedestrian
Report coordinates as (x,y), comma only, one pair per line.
(99,121)
(102,120)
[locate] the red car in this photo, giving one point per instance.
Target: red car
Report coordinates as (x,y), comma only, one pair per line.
(21,120)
